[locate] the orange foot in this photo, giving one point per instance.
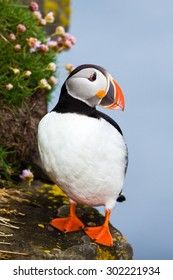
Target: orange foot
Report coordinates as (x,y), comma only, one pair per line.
(71,223)
(67,224)
(100,235)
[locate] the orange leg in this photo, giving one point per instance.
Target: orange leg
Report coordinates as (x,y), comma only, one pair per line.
(71,223)
(101,234)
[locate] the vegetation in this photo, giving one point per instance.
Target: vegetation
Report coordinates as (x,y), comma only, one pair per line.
(27,74)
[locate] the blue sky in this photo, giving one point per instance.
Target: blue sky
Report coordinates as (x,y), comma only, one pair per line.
(133,40)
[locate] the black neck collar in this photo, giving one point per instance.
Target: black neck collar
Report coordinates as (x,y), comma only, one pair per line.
(68,104)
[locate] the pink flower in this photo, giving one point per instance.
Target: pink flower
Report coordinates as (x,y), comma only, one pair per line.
(37,15)
(12,37)
(51,67)
(70,38)
(42,21)
(64,44)
(50,17)
(33,43)
(27,73)
(60,31)
(53,80)
(73,40)
(33,6)
(51,44)
(69,67)
(17,47)
(27,176)
(65,41)
(21,28)
(60,42)
(68,44)
(43,83)
(9,87)
(43,48)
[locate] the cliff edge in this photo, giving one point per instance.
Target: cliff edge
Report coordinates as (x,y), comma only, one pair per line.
(25,233)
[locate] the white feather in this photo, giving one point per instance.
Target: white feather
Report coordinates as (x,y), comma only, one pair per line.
(81,88)
(84,156)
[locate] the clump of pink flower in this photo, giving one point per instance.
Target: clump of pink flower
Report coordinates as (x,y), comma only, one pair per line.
(69,67)
(65,41)
(43,83)
(33,43)
(57,42)
(52,44)
(33,6)
(9,86)
(27,73)
(43,48)
(12,36)
(49,17)
(27,176)
(53,80)
(17,47)
(37,15)
(51,67)
(21,28)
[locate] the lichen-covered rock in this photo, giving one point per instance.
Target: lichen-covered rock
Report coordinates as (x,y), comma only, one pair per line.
(27,213)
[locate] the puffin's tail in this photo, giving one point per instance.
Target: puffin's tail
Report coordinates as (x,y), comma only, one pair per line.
(121,197)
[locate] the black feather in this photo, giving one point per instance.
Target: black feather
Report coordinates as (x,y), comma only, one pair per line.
(68,104)
(121,197)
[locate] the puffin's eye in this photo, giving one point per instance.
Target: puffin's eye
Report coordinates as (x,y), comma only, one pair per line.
(93,77)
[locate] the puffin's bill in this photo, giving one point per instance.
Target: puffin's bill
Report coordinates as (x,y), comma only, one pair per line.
(114,99)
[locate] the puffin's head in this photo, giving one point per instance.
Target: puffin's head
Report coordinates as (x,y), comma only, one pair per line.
(94,86)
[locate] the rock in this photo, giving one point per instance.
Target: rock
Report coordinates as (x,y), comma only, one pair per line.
(27,212)
(19,126)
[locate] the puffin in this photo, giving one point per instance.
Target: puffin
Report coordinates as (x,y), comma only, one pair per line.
(83,150)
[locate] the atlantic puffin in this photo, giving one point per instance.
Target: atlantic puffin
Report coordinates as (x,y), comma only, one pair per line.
(83,150)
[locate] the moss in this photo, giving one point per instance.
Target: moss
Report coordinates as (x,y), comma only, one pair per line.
(47,251)
(103,254)
(41,225)
(56,191)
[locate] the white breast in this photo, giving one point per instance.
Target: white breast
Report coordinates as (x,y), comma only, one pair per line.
(84,156)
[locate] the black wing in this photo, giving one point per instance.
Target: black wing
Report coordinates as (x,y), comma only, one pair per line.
(110,120)
(121,196)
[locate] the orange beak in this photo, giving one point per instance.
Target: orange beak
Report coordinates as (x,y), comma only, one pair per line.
(114,98)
